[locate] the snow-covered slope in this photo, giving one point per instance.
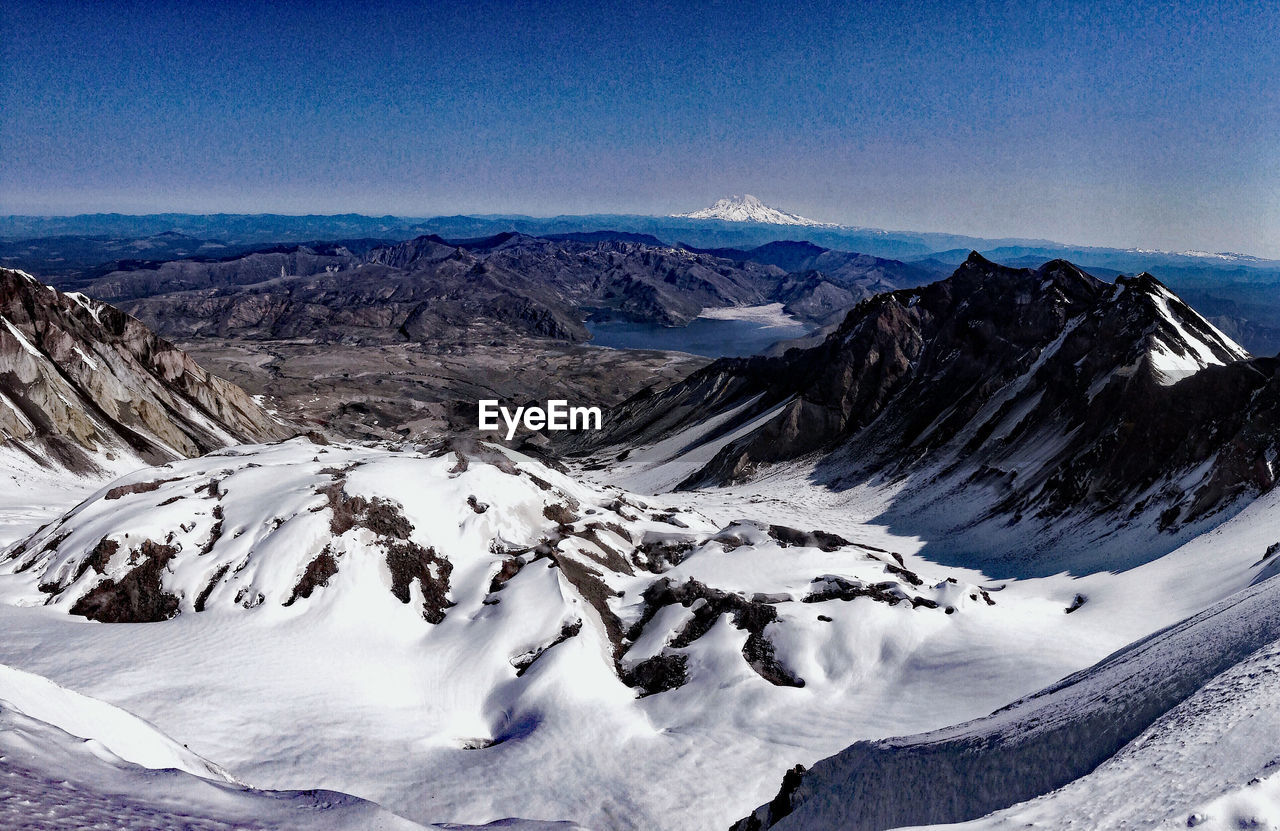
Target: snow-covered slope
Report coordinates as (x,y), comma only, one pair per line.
(498,638)
(1210,762)
(70,761)
(50,779)
(304,525)
(464,633)
(83,764)
(1056,736)
(747,208)
(107,728)
(86,388)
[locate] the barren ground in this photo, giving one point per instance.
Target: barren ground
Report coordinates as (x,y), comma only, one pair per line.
(406,390)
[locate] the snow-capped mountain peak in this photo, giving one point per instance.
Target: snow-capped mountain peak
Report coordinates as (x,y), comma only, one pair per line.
(747,208)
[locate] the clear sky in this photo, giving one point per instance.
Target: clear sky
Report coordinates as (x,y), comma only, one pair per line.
(1130,124)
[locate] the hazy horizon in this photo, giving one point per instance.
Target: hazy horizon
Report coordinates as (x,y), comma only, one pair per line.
(1141,125)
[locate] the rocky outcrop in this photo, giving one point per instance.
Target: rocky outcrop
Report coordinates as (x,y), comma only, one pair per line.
(83,385)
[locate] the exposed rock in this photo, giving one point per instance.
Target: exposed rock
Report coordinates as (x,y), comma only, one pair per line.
(316,575)
(748,615)
(203,597)
(815,539)
(906,575)
(758,650)
(658,674)
(523,662)
(138,487)
(510,568)
(98,558)
(410,562)
(378,515)
(831,587)
(138,596)
(587,581)
(659,555)
(215,533)
(560,514)
(82,384)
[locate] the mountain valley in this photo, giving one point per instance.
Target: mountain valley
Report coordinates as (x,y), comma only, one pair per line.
(639,417)
(793,590)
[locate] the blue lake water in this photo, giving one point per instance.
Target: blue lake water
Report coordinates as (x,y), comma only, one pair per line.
(714,338)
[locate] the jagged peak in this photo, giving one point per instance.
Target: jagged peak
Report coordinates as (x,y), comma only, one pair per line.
(978,272)
(1180,341)
(16,273)
(1071,277)
(1060,264)
(404,254)
(1146,283)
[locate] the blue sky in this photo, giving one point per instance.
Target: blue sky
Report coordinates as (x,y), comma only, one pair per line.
(1130,124)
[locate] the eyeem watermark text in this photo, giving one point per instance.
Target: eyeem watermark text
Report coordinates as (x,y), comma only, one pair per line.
(557,415)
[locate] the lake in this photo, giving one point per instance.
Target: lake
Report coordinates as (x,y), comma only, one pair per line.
(718,333)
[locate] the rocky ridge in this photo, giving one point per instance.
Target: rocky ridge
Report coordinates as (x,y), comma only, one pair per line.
(85,386)
(1014,393)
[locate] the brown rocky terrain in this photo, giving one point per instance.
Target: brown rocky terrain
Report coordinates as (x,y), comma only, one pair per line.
(429,289)
(410,390)
(83,383)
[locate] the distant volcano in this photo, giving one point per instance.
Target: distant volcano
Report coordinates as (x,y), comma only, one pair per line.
(749,209)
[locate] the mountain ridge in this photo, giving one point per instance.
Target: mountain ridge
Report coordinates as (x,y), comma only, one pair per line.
(1026,395)
(87,387)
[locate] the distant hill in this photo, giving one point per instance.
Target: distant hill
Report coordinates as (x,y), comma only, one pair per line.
(1239,293)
